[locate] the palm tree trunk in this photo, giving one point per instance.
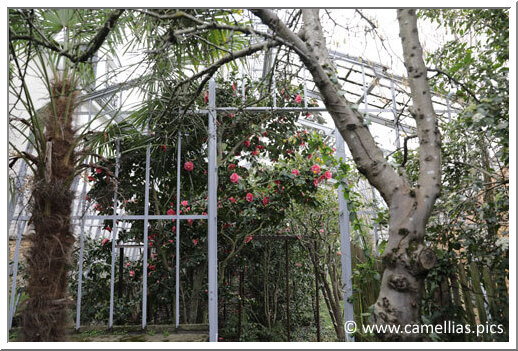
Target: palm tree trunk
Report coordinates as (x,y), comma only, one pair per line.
(46,312)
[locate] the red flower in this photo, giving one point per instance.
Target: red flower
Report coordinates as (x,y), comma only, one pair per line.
(248,238)
(105,241)
(151,267)
(266,200)
(185,203)
(309,157)
(206,97)
(91,179)
(232,199)
(255,152)
(171,212)
(249,197)
(188,166)
(190,221)
(174,228)
(231,167)
(108,228)
(298,99)
(315,182)
(247,143)
(234,178)
(328,175)
(164,148)
(195,241)
(98,170)
(315,169)
(295,172)
(132,273)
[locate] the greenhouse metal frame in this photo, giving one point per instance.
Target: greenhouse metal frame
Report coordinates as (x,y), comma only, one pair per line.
(17,203)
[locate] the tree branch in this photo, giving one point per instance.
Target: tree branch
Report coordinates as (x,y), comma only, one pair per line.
(429,182)
(451,79)
(91,48)
(367,155)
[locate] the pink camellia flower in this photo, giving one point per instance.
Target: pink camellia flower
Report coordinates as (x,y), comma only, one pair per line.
(295,172)
(246,143)
(328,175)
(248,238)
(315,169)
(174,228)
(128,264)
(151,267)
(298,99)
(315,182)
(190,221)
(232,199)
(266,200)
(249,197)
(231,167)
(132,273)
(188,166)
(171,212)
(234,178)
(195,241)
(255,152)
(105,241)
(98,170)
(185,203)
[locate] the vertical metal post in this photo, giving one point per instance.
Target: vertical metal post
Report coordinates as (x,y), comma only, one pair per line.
(364,89)
(12,305)
(81,240)
(274,89)
(345,241)
(121,271)
(317,297)
(146,244)
(212,217)
(114,230)
(243,91)
(448,107)
(305,90)
(178,171)
(394,112)
(287,267)
(81,258)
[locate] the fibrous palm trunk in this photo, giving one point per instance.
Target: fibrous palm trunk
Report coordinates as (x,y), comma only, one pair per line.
(45,312)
